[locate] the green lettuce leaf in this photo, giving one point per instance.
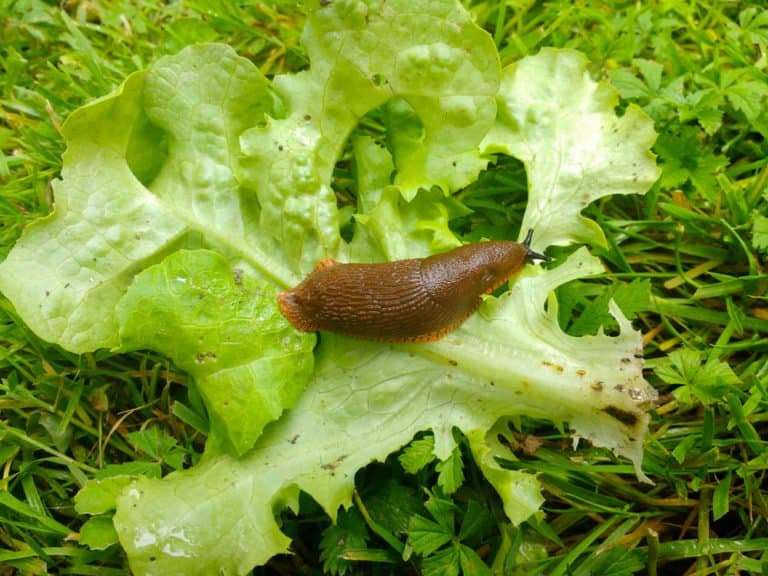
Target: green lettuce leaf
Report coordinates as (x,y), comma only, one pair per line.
(197,310)
(148,171)
(69,270)
(359,409)
(574,147)
(389,224)
(433,68)
(200,169)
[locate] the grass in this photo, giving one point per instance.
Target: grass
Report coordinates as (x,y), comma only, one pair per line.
(692,250)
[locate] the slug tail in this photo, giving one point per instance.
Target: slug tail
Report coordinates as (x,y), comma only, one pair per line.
(290,308)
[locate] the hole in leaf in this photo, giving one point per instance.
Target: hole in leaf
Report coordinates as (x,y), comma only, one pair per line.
(147,150)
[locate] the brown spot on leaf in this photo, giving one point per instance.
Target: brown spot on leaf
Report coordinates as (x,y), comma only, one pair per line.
(331,466)
(623,416)
(205,357)
(555,367)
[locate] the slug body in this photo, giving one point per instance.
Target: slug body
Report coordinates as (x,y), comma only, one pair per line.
(404,300)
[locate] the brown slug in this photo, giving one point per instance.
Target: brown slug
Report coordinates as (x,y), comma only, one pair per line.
(404,300)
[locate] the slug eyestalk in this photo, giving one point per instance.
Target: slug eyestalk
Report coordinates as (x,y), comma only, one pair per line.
(532,255)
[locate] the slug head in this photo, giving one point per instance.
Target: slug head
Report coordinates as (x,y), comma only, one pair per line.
(530,254)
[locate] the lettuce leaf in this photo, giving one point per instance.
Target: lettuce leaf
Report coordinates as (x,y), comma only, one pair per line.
(358,409)
(433,68)
(197,310)
(198,188)
(574,147)
(149,171)
(69,270)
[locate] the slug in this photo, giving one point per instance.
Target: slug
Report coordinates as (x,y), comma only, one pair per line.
(418,299)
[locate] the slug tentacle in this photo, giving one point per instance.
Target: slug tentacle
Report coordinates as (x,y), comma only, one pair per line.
(404,300)
(530,254)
